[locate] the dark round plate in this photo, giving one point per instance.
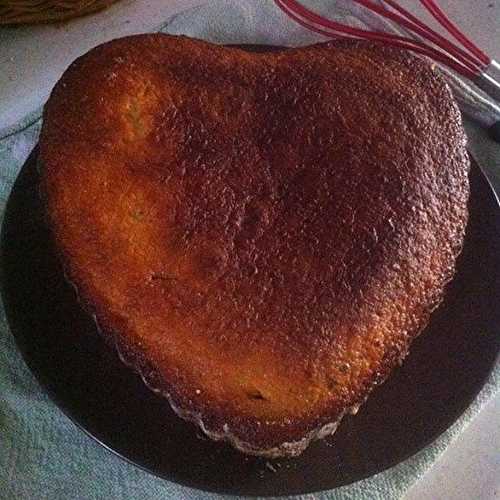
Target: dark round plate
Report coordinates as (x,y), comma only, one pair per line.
(447,367)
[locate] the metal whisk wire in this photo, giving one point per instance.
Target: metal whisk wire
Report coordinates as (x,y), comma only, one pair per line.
(468,59)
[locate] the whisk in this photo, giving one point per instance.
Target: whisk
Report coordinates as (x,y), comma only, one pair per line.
(463,57)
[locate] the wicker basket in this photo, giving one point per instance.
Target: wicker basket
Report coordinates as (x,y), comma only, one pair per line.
(46,11)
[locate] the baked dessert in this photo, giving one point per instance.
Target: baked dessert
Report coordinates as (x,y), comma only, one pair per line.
(261,234)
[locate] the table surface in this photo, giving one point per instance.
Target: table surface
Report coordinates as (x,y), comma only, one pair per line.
(470,467)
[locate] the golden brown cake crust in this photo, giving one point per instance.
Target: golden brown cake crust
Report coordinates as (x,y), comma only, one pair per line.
(263,234)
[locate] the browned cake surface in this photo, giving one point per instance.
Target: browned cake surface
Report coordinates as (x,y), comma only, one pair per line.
(263,233)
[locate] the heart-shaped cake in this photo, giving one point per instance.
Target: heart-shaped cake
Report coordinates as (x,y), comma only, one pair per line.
(261,234)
